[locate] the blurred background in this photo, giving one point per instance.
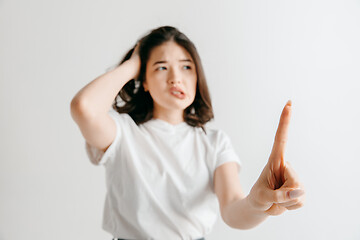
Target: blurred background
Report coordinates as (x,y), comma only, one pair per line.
(256,56)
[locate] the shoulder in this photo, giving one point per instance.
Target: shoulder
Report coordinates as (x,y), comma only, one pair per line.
(215,134)
(215,137)
(123,121)
(120,117)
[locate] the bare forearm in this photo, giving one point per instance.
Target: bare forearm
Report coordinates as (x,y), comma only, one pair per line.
(97,96)
(240,214)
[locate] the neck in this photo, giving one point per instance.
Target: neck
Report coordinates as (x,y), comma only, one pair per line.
(173,117)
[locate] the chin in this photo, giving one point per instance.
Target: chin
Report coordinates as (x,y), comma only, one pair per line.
(175,104)
(178,106)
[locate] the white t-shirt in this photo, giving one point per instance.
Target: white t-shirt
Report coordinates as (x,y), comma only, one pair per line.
(159,179)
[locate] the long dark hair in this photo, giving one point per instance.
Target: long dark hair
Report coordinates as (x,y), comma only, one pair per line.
(139,104)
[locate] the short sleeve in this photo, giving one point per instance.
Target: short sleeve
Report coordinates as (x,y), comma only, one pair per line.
(225,151)
(97,156)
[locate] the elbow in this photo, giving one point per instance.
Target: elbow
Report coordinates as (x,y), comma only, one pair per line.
(77,108)
(76,103)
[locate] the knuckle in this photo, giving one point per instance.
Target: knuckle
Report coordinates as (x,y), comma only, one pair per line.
(279,196)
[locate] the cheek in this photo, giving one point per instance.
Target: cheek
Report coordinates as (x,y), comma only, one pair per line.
(150,81)
(192,92)
(195,87)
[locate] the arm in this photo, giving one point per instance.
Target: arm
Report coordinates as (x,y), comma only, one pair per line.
(236,211)
(277,189)
(97,97)
(89,107)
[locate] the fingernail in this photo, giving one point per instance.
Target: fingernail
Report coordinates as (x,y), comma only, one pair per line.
(295,193)
(289,103)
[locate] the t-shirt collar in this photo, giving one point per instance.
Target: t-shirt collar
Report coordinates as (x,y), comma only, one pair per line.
(162,124)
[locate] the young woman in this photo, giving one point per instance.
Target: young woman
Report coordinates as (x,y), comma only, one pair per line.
(167,173)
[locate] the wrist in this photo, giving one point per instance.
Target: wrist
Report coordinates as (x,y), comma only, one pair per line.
(134,58)
(134,63)
(255,206)
(129,69)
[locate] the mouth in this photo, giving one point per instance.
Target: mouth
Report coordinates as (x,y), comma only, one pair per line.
(177,92)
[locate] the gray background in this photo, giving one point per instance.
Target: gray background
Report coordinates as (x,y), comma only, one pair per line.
(256,55)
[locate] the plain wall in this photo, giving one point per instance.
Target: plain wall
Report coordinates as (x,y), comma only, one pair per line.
(256,56)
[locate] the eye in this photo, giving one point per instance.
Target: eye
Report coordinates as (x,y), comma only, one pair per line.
(161,68)
(187,67)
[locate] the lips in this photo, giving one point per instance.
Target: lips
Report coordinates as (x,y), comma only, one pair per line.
(177,92)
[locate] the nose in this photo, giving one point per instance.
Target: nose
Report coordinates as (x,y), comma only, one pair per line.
(174,77)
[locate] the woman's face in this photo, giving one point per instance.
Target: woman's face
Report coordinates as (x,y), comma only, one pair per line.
(170,78)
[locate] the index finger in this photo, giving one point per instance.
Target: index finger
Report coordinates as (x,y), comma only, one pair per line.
(283,128)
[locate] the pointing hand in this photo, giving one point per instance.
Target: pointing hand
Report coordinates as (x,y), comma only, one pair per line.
(278,188)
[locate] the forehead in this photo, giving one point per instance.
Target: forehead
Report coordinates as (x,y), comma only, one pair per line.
(169,51)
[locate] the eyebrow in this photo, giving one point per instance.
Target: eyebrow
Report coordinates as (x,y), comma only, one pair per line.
(181,60)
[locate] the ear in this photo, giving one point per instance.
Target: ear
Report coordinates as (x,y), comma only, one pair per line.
(145,86)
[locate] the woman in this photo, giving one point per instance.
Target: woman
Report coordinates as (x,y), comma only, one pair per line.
(167,174)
